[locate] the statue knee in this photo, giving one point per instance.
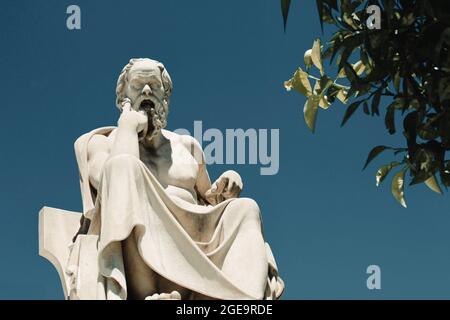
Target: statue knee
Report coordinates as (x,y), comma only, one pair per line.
(252,211)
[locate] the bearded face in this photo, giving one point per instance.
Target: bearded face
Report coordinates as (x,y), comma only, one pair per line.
(145,89)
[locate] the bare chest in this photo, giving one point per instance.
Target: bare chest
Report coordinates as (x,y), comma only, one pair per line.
(172,164)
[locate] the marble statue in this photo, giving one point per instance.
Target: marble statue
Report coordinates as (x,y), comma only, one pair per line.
(154,226)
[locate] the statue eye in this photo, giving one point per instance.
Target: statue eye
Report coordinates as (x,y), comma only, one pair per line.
(135,86)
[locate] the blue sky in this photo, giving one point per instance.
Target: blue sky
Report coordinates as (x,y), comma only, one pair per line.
(324,218)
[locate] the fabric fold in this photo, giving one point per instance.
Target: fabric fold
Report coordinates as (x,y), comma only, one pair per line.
(194,246)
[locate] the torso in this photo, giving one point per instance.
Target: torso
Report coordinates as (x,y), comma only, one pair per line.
(173,165)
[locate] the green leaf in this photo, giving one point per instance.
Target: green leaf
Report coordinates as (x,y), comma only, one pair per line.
(350,73)
(342,96)
(307,59)
(336,46)
(316,56)
(410,126)
(374,153)
(352,91)
(366,60)
(310,111)
(325,82)
(389,119)
(343,58)
(420,176)
(397,81)
(444,87)
(320,11)
(299,82)
(359,67)
(397,187)
(285,5)
(366,108)
(432,183)
(342,74)
(376,103)
(384,171)
(445,177)
(428,133)
(350,111)
(319,89)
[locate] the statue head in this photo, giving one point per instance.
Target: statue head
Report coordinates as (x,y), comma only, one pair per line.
(147,85)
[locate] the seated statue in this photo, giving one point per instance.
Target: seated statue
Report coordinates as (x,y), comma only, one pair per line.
(154,226)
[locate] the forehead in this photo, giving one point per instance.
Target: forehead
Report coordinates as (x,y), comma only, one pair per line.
(144,69)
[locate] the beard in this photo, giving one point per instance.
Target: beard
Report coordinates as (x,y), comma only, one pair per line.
(156,114)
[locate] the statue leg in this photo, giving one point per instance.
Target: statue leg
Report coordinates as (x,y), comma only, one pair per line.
(141,280)
(123,186)
(246,261)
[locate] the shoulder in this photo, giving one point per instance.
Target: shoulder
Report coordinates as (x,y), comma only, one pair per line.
(96,140)
(184,139)
(97,143)
(187,141)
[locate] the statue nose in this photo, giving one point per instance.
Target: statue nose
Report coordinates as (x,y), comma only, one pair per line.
(147,90)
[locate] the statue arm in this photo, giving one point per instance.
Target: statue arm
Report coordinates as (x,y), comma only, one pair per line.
(228,185)
(203,182)
(129,125)
(124,140)
(98,152)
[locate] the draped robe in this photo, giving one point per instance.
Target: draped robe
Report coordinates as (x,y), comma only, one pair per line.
(130,201)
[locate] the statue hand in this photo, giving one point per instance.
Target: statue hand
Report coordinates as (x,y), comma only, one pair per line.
(132,119)
(228,185)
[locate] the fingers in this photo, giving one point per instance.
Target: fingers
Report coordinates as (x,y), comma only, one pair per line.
(211,198)
(228,191)
(231,184)
(126,105)
(214,188)
(214,194)
(218,186)
(233,190)
(221,186)
(228,188)
(224,188)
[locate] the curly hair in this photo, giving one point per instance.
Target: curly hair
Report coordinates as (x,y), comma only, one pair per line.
(123,78)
